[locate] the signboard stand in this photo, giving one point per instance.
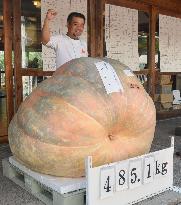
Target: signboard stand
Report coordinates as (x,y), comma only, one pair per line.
(132,180)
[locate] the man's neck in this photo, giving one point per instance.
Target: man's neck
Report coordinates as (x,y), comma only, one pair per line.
(72,36)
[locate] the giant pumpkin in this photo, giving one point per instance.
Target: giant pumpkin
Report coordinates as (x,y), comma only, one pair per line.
(71,115)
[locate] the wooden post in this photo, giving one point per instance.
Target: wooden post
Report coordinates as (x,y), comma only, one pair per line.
(0,77)
(100,27)
(17,53)
(3,139)
(151,57)
(8,58)
(91,27)
(96,12)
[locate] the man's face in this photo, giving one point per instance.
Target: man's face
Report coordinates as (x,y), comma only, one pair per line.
(75,27)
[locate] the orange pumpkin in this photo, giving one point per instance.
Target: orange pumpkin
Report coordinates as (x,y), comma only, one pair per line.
(70,116)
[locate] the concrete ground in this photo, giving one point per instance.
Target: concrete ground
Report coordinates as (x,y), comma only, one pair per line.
(11,194)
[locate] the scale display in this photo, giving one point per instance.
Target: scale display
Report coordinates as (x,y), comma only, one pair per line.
(130,181)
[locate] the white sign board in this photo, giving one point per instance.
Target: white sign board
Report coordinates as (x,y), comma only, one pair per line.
(130,181)
(109,77)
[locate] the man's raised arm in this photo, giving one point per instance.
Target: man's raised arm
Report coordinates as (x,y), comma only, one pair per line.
(45,34)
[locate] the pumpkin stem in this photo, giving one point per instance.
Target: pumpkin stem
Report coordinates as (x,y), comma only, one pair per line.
(111,137)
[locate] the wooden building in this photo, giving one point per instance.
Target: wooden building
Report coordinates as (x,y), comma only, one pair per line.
(12,12)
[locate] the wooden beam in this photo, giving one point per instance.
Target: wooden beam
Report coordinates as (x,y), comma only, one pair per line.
(17,53)
(151,53)
(133,4)
(173,6)
(8,58)
(169,13)
(35,72)
(144,71)
(166,7)
(169,73)
(168,114)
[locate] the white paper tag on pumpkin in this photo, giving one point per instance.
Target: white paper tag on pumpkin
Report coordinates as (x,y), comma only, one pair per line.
(128,72)
(109,77)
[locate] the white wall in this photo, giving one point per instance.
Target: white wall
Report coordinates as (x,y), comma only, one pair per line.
(170,43)
(121,25)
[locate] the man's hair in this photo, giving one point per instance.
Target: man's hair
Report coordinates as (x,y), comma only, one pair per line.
(74,14)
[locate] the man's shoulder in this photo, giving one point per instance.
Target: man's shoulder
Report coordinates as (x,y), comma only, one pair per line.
(57,36)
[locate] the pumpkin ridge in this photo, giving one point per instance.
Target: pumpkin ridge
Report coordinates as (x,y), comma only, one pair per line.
(19,129)
(89,84)
(104,97)
(143,112)
(80,111)
(32,126)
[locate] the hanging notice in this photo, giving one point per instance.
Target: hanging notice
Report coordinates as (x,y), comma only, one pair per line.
(109,77)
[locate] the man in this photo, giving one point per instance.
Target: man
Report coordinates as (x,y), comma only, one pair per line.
(69,46)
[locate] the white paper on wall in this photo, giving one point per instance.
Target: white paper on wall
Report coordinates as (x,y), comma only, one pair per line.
(58,25)
(170,43)
(121,35)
